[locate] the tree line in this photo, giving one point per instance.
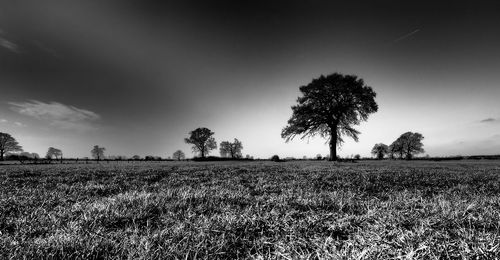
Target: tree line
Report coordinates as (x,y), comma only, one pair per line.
(329,106)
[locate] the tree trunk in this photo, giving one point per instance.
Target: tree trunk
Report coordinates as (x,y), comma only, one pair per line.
(1,155)
(333,144)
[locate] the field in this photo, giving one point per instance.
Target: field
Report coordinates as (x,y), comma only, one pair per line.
(262,210)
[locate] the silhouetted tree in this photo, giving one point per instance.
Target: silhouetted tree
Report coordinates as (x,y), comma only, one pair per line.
(275,158)
(331,106)
(97,152)
(231,149)
(136,157)
(412,144)
(8,144)
(179,155)
(395,149)
(54,152)
(380,150)
(202,141)
(357,157)
(408,145)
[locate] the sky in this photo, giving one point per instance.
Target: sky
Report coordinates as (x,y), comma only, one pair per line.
(137,76)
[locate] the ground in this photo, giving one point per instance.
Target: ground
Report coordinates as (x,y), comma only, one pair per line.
(312,209)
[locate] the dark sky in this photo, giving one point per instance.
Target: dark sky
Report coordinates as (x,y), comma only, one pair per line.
(137,76)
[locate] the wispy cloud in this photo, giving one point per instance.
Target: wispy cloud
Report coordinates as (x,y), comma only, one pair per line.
(57,114)
(9,45)
(489,120)
(19,124)
(3,120)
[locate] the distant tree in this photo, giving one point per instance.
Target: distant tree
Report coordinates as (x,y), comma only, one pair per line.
(202,141)
(395,149)
(331,106)
(275,158)
(408,145)
(319,157)
(8,144)
(357,157)
(97,152)
(136,157)
(380,150)
(179,155)
(54,152)
(233,150)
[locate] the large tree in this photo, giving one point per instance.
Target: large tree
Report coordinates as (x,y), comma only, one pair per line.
(179,155)
(97,152)
(8,144)
(330,106)
(231,149)
(202,141)
(408,145)
(380,150)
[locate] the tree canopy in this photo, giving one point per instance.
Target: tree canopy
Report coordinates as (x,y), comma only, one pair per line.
(330,106)
(408,145)
(8,144)
(202,141)
(97,152)
(380,150)
(233,150)
(54,152)
(179,155)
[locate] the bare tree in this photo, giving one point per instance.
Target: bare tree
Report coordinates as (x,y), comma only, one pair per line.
(331,106)
(97,152)
(8,144)
(380,150)
(231,149)
(179,155)
(202,141)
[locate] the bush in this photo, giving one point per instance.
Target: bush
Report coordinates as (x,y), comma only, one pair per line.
(275,158)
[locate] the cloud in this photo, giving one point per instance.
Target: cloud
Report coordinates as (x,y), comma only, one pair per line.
(57,114)
(3,120)
(9,45)
(19,124)
(489,120)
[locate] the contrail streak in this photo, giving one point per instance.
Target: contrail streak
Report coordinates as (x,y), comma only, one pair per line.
(406,35)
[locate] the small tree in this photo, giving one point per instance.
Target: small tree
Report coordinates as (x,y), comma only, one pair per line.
(97,152)
(357,157)
(8,144)
(380,150)
(231,149)
(408,145)
(179,155)
(330,106)
(54,152)
(202,141)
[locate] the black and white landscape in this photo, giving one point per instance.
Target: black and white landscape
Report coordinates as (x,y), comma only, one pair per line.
(249,129)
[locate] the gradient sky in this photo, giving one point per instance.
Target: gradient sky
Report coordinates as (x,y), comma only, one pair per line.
(137,76)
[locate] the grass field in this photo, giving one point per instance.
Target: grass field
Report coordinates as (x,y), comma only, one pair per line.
(366,210)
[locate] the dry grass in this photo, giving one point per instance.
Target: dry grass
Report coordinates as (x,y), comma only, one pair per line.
(295,210)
